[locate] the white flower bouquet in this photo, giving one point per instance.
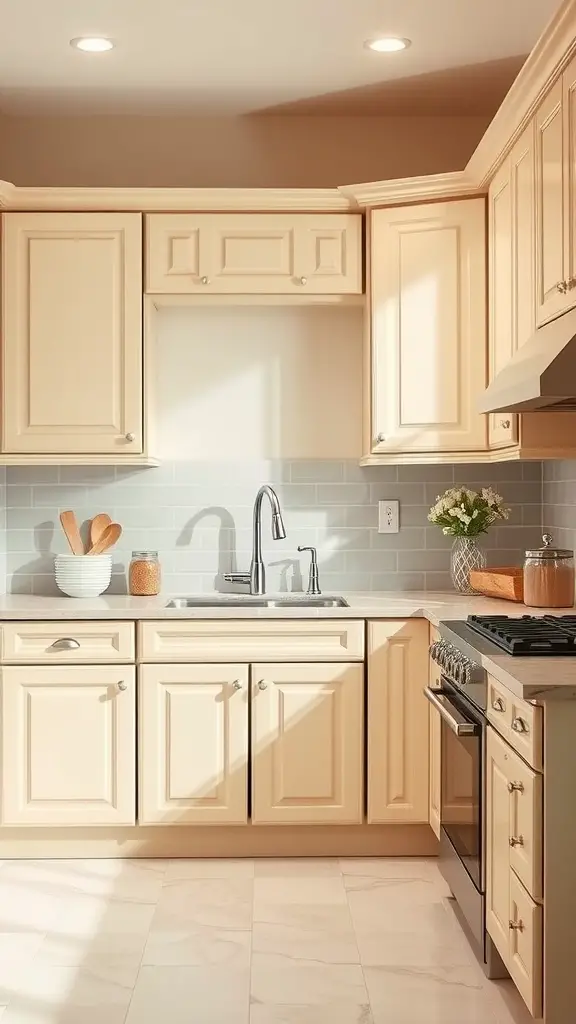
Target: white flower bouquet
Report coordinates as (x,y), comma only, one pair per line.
(464,513)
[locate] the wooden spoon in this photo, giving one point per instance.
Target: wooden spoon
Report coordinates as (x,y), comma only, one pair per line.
(109,537)
(70,527)
(97,527)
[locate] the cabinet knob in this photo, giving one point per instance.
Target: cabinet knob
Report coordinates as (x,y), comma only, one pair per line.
(122,686)
(519,725)
(505,424)
(516,926)
(562,287)
(381,438)
(262,685)
(130,436)
(303,280)
(204,280)
(66,643)
(236,685)
(516,841)
(498,704)
(515,787)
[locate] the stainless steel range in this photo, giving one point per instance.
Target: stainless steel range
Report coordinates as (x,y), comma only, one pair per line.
(461,702)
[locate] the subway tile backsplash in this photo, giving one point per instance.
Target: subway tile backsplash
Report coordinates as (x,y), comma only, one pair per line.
(559,501)
(199,517)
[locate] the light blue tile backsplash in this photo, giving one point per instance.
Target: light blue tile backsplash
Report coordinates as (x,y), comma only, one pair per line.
(199,517)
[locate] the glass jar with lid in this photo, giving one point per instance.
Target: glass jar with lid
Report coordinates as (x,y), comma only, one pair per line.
(549,576)
(144,574)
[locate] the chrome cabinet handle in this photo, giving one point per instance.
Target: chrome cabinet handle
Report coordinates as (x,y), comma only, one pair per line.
(516,926)
(303,280)
(562,287)
(381,438)
(236,685)
(505,424)
(455,721)
(515,787)
(262,685)
(130,436)
(519,725)
(122,686)
(66,643)
(204,280)
(498,704)
(516,841)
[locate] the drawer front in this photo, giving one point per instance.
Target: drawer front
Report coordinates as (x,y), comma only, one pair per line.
(525,951)
(519,722)
(249,640)
(59,643)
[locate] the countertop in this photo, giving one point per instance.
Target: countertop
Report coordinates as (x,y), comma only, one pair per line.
(529,678)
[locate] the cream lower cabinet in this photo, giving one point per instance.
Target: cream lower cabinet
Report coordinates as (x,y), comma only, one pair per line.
(307,743)
(435,732)
(398,721)
(68,745)
(72,333)
(207,253)
(193,750)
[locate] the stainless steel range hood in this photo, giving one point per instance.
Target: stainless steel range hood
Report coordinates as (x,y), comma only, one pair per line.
(542,374)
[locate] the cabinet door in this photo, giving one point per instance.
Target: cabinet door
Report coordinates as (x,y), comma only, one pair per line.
(550,296)
(525,955)
(428,306)
(193,744)
(497,843)
(569,112)
(434,682)
(72,325)
(254,253)
(307,743)
(502,427)
(398,721)
(68,745)
(523,179)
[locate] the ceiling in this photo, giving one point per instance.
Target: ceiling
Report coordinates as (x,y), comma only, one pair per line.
(248,56)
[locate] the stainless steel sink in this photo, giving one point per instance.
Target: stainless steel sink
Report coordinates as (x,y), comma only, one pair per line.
(240,601)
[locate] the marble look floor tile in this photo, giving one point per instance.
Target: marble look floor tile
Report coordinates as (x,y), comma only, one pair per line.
(297,889)
(216,902)
(180,870)
(391,867)
(435,921)
(175,942)
(299,867)
(404,891)
(321,933)
(440,995)
(190,995)
(394,947)
(19,947)
(282,980)
(69,995)
(92,931)
(268,1013)
(507,1003)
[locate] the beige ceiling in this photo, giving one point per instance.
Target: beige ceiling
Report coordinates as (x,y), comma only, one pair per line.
(247,56)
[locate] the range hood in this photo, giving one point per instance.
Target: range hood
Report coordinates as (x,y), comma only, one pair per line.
(542,374)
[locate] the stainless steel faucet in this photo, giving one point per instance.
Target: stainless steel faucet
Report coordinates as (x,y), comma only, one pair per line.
(256,578)
(313,580)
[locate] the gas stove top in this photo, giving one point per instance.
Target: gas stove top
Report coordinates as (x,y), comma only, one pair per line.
(552,635)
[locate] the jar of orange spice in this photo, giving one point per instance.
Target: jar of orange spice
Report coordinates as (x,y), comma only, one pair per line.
(144,574)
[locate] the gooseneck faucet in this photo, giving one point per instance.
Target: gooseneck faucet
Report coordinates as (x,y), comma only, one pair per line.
(256,578)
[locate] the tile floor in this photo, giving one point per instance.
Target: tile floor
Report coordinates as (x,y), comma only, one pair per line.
(237,942)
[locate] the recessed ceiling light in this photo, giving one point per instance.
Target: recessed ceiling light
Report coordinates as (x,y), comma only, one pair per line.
(387,44)
(92,44)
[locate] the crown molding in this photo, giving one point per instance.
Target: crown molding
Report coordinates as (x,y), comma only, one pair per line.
(326,200)
(410,190)
(553,51)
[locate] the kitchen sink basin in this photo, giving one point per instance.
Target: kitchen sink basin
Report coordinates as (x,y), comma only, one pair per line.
(240,601)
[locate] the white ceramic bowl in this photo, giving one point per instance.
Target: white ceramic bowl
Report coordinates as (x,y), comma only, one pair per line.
(83,575)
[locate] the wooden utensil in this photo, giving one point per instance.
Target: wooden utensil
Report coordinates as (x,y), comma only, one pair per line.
(109,537)
(70,527)
(97,527)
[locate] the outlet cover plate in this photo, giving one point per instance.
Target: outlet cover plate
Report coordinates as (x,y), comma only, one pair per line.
(388,516)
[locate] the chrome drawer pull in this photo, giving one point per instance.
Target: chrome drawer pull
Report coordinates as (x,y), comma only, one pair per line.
(122,685)
(236,685)
(516,841)
(262,685)
(515,787)
(519,725)
(516,926)
(498,705)
(66,643)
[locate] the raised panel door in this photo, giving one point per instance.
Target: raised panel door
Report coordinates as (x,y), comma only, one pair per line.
(428,311)
(525,956)
(523,178)
(497,843)
(526,824)
(435,730)
(72,327)
(329,250)
(68,745)
(398,721)
(551,297)
(307,743)
(193,744)
(502,427)
(569,112)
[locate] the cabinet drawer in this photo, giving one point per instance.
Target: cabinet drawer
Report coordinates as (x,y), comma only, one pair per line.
(525,951)
(52,643)
(518,721)
(250,640)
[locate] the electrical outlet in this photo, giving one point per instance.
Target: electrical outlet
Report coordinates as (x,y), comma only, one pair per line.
(388,516)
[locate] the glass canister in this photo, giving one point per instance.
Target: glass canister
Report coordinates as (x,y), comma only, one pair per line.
(144,574)
(549,576)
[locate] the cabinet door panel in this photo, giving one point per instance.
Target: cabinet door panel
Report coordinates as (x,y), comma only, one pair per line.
(525,959)
(398,722)
(502,427)
(523,178)
(435,769)
(193,744)
(428,327)
(68,746)
(526,825)
(569,104)
(549,207)
(72,379)
(307,743)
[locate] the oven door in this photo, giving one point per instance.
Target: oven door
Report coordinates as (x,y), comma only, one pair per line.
(462,738)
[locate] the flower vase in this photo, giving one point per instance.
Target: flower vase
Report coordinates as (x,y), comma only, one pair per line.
(466,555)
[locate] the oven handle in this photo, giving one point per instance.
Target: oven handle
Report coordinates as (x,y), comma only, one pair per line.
(456,721)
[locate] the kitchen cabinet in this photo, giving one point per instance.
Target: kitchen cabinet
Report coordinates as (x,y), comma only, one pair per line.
(193,748)
(434,728)
(502,427)
(68,745)
(72,333)
(307,743)
(398,721)
(253,253)
(427,361)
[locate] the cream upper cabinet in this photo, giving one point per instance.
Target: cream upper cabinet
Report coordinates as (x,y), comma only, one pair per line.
(68,745)
(569,114)
(428,328)
(209,253)
(307,743)
(398,721)
(72,333)
(193,749)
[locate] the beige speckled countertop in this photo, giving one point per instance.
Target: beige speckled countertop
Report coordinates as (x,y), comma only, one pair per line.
(530,678)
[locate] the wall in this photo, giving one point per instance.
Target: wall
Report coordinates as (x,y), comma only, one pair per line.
(244,152)
(559,502)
